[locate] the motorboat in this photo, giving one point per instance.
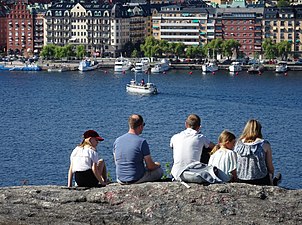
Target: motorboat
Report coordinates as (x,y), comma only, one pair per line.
(87,65)
(209,67)
(162,66)
(141,88)
(281,67)
(122,64)
(29,67)
(142,66)
(235,67)
(256,68)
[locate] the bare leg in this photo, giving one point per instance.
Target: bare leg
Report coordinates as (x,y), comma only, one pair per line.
(102,170)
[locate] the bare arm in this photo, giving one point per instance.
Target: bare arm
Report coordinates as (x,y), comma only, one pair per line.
(70,176)
(150,164)
(97,174)
(211,145)
(269,159)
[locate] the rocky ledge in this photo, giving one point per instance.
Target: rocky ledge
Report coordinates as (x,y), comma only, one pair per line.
(151,203)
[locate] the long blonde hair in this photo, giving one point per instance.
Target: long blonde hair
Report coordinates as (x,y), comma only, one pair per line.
(85,142)
(251,131)
(224,137)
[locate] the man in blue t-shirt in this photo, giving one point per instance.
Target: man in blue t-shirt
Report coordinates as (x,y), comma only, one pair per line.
(131,153)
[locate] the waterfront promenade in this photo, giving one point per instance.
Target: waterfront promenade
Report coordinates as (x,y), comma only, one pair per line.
(108,63)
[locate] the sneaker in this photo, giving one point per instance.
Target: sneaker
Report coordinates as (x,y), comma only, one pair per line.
(277,179)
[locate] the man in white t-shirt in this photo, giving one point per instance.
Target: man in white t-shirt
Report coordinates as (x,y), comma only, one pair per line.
(187,145)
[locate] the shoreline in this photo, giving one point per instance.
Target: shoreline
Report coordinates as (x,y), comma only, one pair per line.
(108,63)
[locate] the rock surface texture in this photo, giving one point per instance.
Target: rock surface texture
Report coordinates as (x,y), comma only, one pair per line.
(151,203)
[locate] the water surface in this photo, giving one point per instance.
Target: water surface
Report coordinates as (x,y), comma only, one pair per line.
(43,115)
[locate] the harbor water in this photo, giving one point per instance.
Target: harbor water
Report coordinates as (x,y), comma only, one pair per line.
(43,116)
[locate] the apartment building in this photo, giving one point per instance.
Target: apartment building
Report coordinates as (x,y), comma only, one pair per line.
(20,29)
(243,25)
(120,28)
(281,24)
(140,22)
(102,28)
(3,26)
(176,23)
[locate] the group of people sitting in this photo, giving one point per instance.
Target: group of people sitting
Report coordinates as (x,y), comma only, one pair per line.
(248,160)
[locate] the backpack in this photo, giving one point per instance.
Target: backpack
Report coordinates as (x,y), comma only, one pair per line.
(197,172)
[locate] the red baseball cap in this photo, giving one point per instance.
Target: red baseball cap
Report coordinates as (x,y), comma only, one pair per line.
(92,133)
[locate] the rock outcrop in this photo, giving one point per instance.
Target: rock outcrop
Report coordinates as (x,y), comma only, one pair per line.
(151,203)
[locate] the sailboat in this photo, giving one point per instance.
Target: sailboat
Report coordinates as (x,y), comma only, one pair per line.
(141,88)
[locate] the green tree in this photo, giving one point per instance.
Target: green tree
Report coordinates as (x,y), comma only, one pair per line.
(179,49)
(283,48)
(229,46)
(80,51)
(69,50)
(212,48)
(134,53)
(150,47)
(283,3)
(48,51)
(269,48)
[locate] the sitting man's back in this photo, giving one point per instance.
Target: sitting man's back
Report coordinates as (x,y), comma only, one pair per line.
(188,145)
(130,152)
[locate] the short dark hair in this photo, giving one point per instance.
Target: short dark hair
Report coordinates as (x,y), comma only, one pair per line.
(193,121)
(135,120)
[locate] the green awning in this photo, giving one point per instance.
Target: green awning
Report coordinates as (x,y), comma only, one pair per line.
(297,41)
(202,33)
(290,40)
(155,26)
(195,21)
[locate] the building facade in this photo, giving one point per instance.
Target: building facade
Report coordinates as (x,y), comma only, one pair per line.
(20,29)
(284,24)
(176,23)
(3,29)
(243,25)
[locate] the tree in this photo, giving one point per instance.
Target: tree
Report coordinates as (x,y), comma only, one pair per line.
(229,46)
(214,47)
(269,48)
(149,47)
(283,3)
(48,51)
(283,48)
(80,51)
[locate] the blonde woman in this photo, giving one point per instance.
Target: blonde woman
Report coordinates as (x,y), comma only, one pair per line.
(84,163)
(254,156)
(223,156)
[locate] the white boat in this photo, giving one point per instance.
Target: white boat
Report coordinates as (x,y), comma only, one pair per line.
(209,67)
(142,66)
(122,64)
(141,88)
(162,66)
(87,65)
(281,67)
(235,67)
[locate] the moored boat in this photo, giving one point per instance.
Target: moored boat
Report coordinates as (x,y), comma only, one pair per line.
(87,65)
(235,67)
(162,66)
(122,64)
(209,67)
(256,68)
(281,67)
(142,66)
(29,67)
